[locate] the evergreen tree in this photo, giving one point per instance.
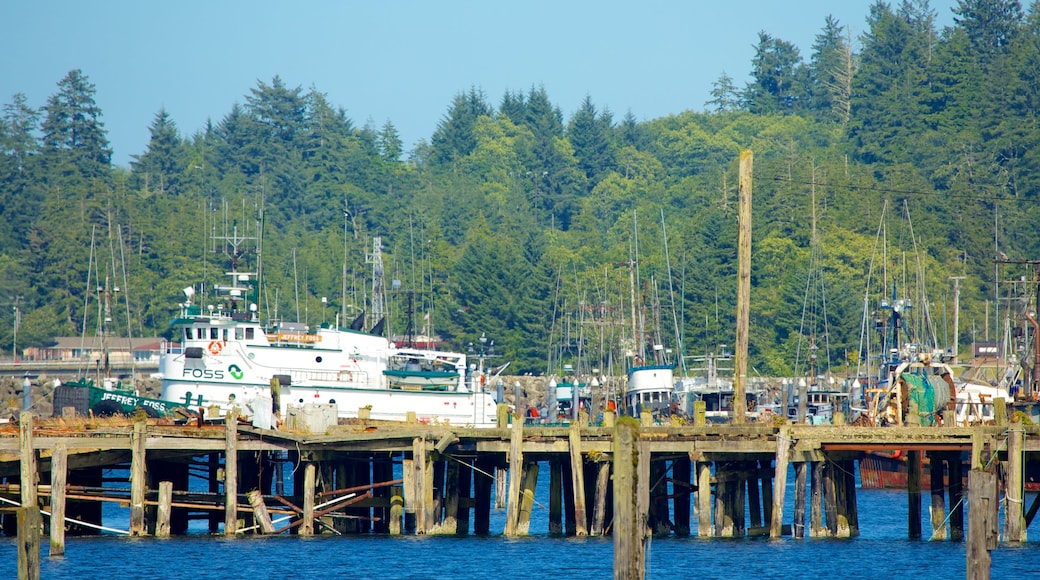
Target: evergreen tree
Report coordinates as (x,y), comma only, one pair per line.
(831,71)
(590,134)
(72,129)
(454,139)
(19,195)
(158,167)
(780,79)
(724,95)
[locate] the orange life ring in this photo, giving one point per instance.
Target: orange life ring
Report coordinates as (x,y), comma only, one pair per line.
(215,348)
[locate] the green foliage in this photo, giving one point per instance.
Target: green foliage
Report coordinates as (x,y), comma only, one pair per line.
(517,222)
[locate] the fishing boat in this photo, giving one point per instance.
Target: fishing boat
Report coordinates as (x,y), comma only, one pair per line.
(229,357)
(709,378)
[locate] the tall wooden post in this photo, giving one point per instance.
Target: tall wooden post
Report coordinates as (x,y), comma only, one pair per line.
(913,494)
(555,496)
(451,497)
(1014,494)
(310,476)
(482,483)
(937,488)
(28,465)
(629,527)
(681,471)
(516,464)
(396,510)
(798,527)
(162,518)
(599,514)
(59,469)
(704,520)
(816,528)
(29,523)
(783,446)
(740,362)
(523,524)
(138,482)
(982,523)
(231,472)
(956,470)
(578,479)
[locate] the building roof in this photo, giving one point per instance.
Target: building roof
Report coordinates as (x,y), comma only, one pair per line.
(116,343)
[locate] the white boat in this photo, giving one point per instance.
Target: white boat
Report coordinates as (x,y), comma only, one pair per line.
(229,357)
(650,388)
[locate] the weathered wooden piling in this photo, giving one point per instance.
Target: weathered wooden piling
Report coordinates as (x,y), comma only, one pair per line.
(165,499)
(138,479)
(29,524)
(231,473)
(578,480)
(516,458)
(956,493)
(59,468)
(982,523)
(783,445)
(1014,493)
(705,527)
(681,472)
(629,522)
(798,527)
(523,525)
(599,514)
(913,494)
(937,488)
(816,527)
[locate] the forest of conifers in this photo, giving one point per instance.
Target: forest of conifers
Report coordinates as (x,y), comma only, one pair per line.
(903,159)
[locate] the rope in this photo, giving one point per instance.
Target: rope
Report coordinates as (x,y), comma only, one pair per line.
(68,519)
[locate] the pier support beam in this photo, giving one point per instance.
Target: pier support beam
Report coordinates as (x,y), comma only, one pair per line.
(783,447)
(798,527)
(28,465)
(516,463)
(937,489)
(913,494)
(578,481)
(681,471)
(523,525)
(29,524)
(704,519)
(310,476)
(982,523)
(816,527)
(555,496)
(629,527)
(1014,494)
(59,469)
(138,481)
(483,481)
(162,519)
(956,469)
(231,472)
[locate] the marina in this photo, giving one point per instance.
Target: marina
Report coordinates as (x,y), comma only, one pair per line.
(632,481)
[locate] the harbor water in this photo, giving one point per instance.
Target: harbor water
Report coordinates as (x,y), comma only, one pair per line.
(881,551)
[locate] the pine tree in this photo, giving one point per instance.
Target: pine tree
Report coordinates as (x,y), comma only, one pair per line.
(72,129)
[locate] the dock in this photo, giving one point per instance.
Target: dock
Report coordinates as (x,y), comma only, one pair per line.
(625,477)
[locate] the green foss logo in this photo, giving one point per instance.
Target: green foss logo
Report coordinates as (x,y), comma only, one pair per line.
(236,372)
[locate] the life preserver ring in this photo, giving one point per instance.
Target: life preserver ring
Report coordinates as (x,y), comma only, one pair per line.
(215,348)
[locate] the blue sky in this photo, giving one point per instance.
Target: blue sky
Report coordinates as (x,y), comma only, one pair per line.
(402,61)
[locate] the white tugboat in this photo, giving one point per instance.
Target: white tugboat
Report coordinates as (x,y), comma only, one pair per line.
(229,356)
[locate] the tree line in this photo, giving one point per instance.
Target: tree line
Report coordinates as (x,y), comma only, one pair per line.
(898,159)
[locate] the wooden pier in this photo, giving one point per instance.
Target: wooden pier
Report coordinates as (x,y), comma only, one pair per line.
(625,477)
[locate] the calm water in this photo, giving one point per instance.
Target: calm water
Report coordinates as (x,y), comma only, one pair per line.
(881,551)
